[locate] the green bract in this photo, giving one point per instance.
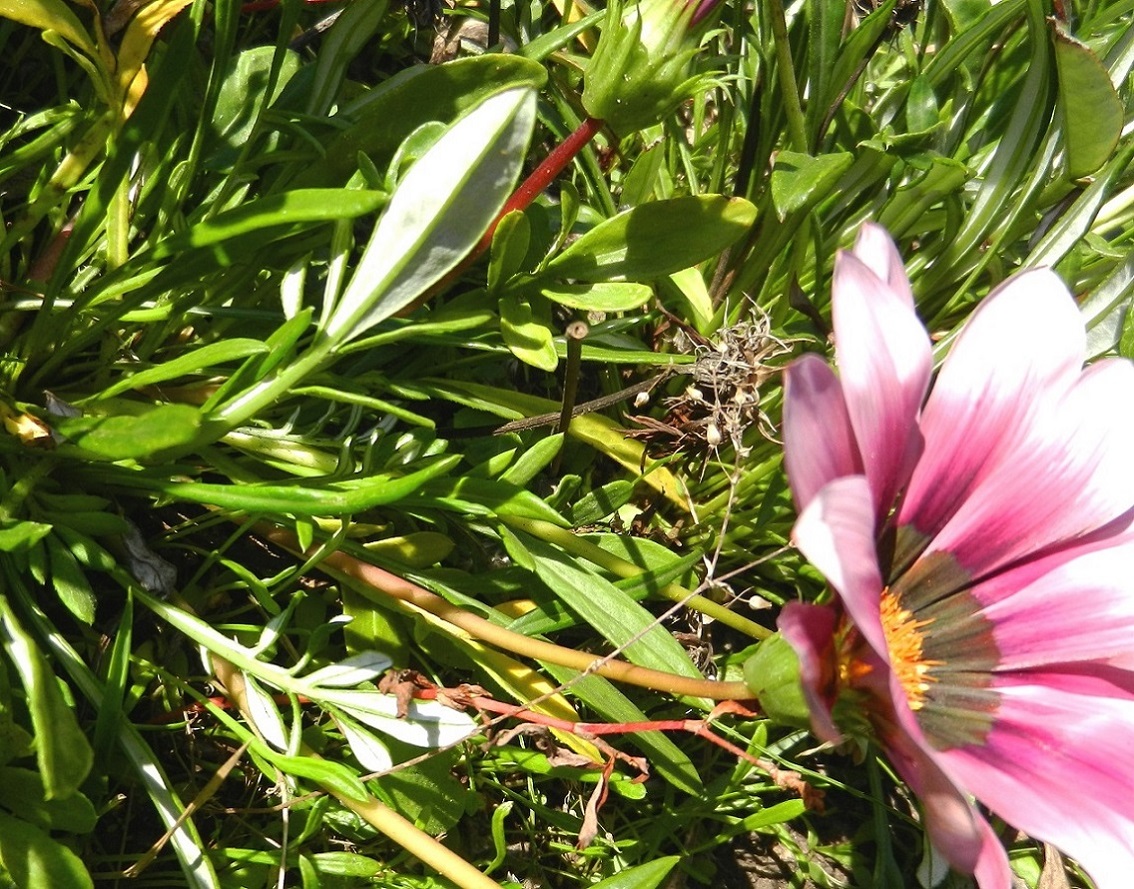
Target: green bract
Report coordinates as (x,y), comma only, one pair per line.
(640,69)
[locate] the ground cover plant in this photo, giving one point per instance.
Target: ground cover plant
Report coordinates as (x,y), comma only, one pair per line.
(419,425)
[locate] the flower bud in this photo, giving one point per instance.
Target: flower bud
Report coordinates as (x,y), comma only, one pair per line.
(640,69)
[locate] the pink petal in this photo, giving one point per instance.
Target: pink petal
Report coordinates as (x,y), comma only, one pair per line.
(810,629)
(1074,605)
(877,250)
(1066,473)
(1024,345)
(819,443)
(955,828)
(884,360)
(1055,766)
(836,534)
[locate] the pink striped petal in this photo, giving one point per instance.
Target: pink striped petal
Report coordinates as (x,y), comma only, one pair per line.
(884,360)
(819,444)
(1055,766)
(1065,474)
(1023,346)
(809,630)
(1074,605)
(836,534)
(955,828)
(877,250)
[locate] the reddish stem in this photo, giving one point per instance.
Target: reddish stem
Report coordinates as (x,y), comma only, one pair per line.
(540,178)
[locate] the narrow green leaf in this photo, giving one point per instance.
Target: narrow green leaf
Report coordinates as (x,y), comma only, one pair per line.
(1090,108)
(50,15)
(331,775)
(156,429)
(488,497)
(19,535)
(33,860)
(62,753)
(533,461)
(655,239)
(306,498)
(194,362)
(610,611)
(644,876)
(440,210)
(290,208)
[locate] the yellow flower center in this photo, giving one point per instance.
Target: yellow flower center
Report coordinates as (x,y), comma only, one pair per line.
(905,642)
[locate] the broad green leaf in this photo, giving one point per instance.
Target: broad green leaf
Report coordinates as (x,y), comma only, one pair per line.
(655,239)
(61,749)
(22,791)
(1091,110)
(604,296)
(347,864)
(800,181)
(207,356)
(439,212)
(51,15)
(610,611)
(527,337)
(644,876)
(385,116)
(71,584)
(33,860)
(244,92)
(143,435)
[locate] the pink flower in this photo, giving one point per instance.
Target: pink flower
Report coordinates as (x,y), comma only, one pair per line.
(981,545)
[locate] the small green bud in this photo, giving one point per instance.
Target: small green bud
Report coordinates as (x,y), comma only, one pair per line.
(772,674)
(640,69)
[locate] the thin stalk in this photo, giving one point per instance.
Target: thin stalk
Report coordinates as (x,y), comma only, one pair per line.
(574,544)
(379,585)
(785,68)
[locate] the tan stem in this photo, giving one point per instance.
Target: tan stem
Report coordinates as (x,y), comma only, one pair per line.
(372,581)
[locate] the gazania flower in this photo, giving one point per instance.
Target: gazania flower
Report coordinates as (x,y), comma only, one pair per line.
(980,545)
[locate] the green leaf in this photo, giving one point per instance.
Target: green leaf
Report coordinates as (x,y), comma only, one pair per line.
(69,581)
(21,790)
(307,498)
(610,611)
(644,876)
(800,181)
(62,753)
(244,92)
(51,15)
(509,247)
(34,860)
(207,356)
(527,337)
(439,212)
(17,536)
(606,296)
(292,208)
(386,115)
(148,433)
(485,497)
(1091,110)
(655,239)
(331,775)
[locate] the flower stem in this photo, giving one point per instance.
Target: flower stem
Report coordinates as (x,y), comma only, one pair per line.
(797,128)
(372,582)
